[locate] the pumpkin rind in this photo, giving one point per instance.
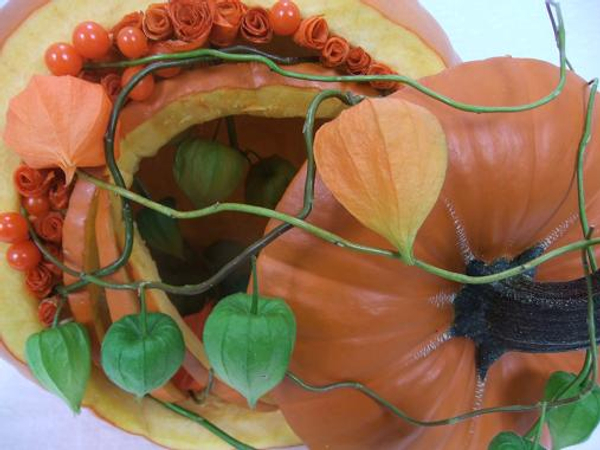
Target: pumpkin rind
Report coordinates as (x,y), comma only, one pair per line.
(509,186)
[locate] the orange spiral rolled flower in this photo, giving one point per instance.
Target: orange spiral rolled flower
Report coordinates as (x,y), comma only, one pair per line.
(47,310)
(313,33)
(40,281)
(32,182)
(49,227)
(335,52)
(227,22)
(192,21)
(112,85)
(256,26)
(157,24)
(56,251)
(134,19)
(358,61)
(377,68)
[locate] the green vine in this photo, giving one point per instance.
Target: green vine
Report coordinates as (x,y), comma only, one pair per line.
(588,373)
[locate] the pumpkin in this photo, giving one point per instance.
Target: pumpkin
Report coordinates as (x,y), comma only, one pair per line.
(398,33)
(400,331)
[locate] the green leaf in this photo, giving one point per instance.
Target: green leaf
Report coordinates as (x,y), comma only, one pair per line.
(508,440)
(571,424)
(208,172)
(137,361)
(250,352)
(161,232)
(267,181)
(60,359)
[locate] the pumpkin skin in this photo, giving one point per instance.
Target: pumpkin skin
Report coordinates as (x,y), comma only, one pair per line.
(510,185)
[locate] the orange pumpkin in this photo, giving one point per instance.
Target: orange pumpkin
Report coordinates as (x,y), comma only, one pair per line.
(510,188)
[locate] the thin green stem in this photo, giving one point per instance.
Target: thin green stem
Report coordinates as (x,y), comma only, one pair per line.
(591,317)
(217,129)
(338,240)
(540,426)
(191,58)
(584,141)
(431,423)
(143,309)
(254,307)
(268,61)
(204,423)
(59,308)
(139,186)
(555,29)
(232,132)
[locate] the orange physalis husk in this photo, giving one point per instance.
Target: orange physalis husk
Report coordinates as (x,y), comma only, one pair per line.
(385,161)
(59,122)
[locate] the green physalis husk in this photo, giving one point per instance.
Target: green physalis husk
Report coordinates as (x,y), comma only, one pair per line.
(60,359)
(250,350)
(140,360)
(207,171)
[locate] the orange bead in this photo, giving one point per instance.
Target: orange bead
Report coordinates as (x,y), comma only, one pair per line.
(23,256)
(91,40)
(144,88)
(132,42)
(285,17)
(63,59)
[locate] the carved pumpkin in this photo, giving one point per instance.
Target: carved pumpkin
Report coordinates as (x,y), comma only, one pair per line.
(405,333)
(398,33)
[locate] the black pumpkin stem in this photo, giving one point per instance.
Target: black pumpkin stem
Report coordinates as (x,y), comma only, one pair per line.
(521,314)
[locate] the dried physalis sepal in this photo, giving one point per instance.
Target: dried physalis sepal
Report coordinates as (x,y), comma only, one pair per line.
(385,161)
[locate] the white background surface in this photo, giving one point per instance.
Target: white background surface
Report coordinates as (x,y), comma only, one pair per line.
(32,419)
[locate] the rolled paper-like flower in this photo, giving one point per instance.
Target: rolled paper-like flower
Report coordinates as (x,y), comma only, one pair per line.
(256,26)
(377,68)
(49,227)
(134,19)
(40,281)
(112,85)
(227,22)
(313,33)
(32,182)
(56,251)
(358,61)
(58,194)
(192,21)
(335,52)
(47,310)
(157,22)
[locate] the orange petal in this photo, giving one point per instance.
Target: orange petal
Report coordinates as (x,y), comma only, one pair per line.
(59,122)
(385,161)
